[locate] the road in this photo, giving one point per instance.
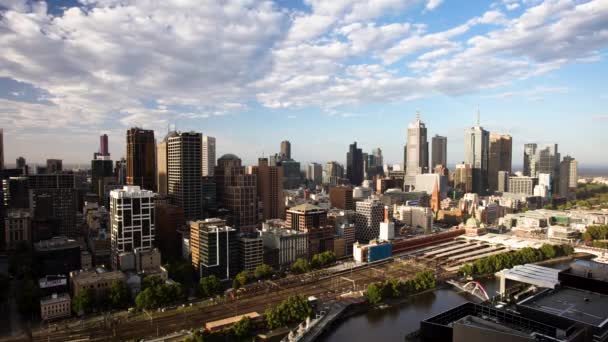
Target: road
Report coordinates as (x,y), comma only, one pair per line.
(324,287)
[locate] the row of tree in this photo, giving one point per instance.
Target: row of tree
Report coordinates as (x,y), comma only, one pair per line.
(157,293)
(261,272)
(597,236)
(320,260)
(495,263)
(395,288)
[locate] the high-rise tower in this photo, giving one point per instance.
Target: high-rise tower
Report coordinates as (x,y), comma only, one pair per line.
(476,146)
(141,161)
(354,165)
(440,151)
(499,159)
(184,172)
(208,156)
(416,152)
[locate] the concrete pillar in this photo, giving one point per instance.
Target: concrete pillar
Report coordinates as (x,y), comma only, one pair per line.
(503,284)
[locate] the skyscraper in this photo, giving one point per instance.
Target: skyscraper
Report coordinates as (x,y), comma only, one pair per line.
(501,146)
(530,160)
(215,248)
(568,174)
(237,191)
(333,173)
(141,161)
(440,151)
(131,220)
(104,148)
(54,165)
(544,159)
(463,178)
(416,156)
(184,172)
(161,167)
(314,173)
(208,156)
(285,150)
(1,149)
(354,164)
(476,146)
(270,189)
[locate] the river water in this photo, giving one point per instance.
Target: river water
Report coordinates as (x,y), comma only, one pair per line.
(394,323)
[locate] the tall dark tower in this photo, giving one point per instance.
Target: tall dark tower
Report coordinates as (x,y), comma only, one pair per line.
(354,165)
(141,163)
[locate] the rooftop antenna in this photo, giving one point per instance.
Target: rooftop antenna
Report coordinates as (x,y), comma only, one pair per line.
(418,115)
(478,118)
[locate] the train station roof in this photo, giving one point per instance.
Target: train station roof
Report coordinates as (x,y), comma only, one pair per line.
(540,276)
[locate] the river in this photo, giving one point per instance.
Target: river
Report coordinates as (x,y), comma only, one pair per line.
(394,323)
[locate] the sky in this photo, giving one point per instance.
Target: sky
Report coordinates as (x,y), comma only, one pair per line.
(319,73)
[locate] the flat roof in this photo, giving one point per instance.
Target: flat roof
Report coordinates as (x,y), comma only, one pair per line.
(574,304)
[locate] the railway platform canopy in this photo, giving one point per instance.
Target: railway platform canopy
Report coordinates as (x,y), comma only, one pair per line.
(543,277)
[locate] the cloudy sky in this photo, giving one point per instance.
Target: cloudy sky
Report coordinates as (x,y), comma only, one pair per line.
(321,73)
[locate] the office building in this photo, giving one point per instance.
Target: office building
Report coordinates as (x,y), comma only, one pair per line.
(440,151)
(354,165)
(104,147)
(132,221)
(54,165)
(415,217)
(312,220)
(55,306)
(292,176)
(162,159)
(306,217)
(16,192)
(369,214)
(22,165)
(568,174)
(184,172)
(54,197)
(285,150)
(503,181)
(209,193)
(416,152)
(530,160)
(141,158)
(270,189)
(58,255)
(237,192)
(522,185)
(17,227)
(102,168)
(476,145)
(500,155)
(333,173)
(290,244)
(215,248)
(314,173)
(341,197)
(99,280)
(463,178)
(251,249)
(169,221)
(208,162)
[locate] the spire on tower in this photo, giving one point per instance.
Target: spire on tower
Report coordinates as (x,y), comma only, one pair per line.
(478,118)
(418,115)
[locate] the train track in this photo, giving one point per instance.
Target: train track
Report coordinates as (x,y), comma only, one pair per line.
(324,287)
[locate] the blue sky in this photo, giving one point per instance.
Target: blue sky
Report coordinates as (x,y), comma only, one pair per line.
(319,73)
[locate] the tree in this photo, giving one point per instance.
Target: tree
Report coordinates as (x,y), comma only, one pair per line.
(84,301)
(151,281)
(293,309)
(241,279)
(323,259)
(242,328)
(146,299)
(210,286)
(263,271)
(374,293)
(548,251)
(119,296)
(300,266)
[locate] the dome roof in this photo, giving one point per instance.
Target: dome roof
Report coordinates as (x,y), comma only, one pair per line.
(229,156)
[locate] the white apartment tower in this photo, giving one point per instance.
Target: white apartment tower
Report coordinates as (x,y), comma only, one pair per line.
(131,220)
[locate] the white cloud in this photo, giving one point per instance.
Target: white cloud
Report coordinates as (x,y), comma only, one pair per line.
(432,4)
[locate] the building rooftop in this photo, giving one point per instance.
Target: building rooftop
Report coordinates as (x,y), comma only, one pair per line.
(55,243)
(54,298)
(306,207)
(229,156)
(574,304)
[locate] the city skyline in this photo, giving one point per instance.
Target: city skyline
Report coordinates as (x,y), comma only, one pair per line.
(361,66)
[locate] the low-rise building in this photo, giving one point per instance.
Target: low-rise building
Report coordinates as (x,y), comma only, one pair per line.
(99,280)
(252,250)
(55,306)
(291,244)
